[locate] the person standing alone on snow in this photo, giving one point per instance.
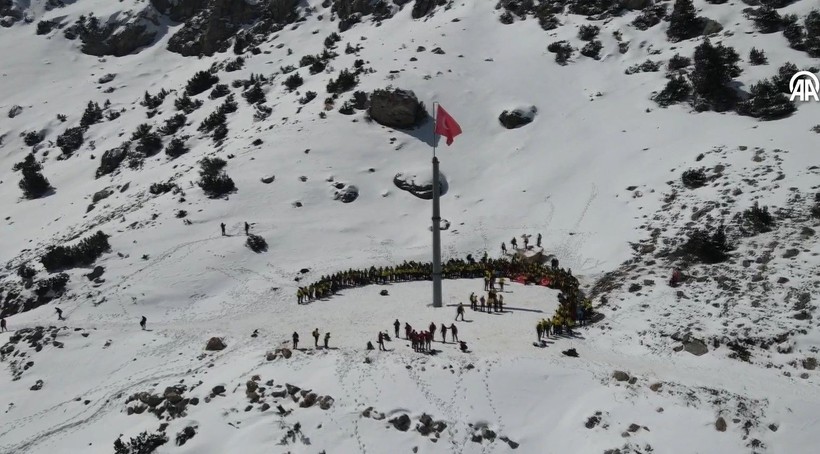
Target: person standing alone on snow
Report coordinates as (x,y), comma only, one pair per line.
(59,313)
(381,341)
(247,228)
(538,240)
(327,339)
(3,325)
(295,340)
(316,337)
(222,225)
(503,248)
(143,321)
(460,311)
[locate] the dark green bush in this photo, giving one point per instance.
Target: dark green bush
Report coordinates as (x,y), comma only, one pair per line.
(83,253)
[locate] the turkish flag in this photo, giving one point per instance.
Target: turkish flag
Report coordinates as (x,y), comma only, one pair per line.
(446,125)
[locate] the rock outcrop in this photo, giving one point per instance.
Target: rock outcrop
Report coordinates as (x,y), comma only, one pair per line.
(420,186)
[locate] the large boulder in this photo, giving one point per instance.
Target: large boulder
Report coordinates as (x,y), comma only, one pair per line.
(516,118)
(396,108)
(111,160)
(215,344)
(420,184)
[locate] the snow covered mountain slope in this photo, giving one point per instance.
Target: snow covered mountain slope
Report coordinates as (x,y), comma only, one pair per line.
(597,172)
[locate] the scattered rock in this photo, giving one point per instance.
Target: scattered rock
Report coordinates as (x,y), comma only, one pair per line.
(152,400)
(571,353)
(96,273)
(592,421)
(38,385)
(292,390)
(218,389)
(308,400)
(517,118)
(325,402)
(347,194)
(401,423)
(268,180)
(790,253)
(720,424)
(655,386)
(185,435)
(620,375)
(695,347)
(383,293)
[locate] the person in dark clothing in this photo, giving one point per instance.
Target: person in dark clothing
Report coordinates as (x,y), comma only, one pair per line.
(443,333)
(381,341)
(454,332)
(539,329)
(143,321)
(407,330)
(526,241)
(3,325)
(59,313)
(222,225)
(460,311)
(327,339)
(554,263)
(247,228)
(463,346)
(514,243)
(538,240)
(503,248)
(396,326)
(295,340)
(432,330)
(316,337)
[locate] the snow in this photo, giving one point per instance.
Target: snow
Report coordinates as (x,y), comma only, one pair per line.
(563,176)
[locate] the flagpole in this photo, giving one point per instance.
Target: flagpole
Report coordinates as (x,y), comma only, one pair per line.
(436,220)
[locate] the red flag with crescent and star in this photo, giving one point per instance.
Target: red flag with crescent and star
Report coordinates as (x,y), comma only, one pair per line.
(446,125)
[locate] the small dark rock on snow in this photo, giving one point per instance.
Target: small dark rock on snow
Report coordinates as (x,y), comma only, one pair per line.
(516,118)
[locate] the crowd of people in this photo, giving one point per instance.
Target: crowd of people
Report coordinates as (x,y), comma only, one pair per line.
(492,270)
(574,309)
(421,340)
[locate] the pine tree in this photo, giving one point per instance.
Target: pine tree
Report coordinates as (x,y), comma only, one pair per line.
(33,184)
(683,22)
(715,66)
